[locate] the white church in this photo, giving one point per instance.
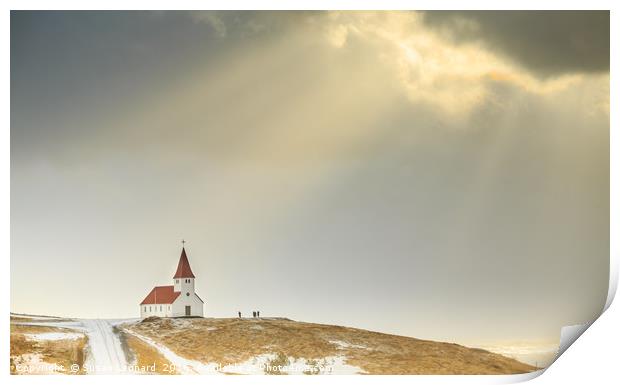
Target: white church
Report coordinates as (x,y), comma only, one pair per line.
(178,300)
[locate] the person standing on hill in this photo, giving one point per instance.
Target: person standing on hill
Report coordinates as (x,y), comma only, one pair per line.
(239,314)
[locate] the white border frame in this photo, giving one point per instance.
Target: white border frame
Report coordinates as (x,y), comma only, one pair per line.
(563,370)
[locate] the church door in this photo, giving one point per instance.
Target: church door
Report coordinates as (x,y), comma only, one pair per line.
(188,310)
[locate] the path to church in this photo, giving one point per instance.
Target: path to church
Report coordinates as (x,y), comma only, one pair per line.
(106,351)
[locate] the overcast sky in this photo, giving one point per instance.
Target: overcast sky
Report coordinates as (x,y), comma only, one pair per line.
(438,175)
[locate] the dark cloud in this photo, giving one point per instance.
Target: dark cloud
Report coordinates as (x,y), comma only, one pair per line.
(547,43)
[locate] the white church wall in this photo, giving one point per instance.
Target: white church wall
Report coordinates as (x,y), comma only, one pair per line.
(196,306)
(156,310)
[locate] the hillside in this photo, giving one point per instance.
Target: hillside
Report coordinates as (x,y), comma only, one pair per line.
(233,346)
(247,345)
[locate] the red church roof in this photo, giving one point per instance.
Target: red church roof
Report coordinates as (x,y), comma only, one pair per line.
(183,269)
(161,295)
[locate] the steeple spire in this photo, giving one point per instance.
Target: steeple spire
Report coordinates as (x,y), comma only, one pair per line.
(183,269)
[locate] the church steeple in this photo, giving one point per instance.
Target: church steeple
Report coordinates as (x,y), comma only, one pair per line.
(183,269)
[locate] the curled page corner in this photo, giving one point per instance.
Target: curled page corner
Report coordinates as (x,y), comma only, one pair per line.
(569,334)
(613,282)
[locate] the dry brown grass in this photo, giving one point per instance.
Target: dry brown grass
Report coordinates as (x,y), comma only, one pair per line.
(230,341)
(274,366)
(148,357)
(19,345)
(25,318)
(34,329)
(61,352)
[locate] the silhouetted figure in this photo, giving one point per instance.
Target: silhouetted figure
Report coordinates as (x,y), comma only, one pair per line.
(253,314)
(239,314)
(257,313)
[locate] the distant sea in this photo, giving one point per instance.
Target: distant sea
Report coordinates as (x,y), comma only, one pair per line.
(536,354)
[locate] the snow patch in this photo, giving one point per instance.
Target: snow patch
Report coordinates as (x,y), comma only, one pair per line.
(53,336)
(123,321)
(182,365)
(344,345)
(325,366)
(261,364)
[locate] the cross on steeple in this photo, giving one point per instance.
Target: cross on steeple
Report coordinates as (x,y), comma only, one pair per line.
(183,242)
